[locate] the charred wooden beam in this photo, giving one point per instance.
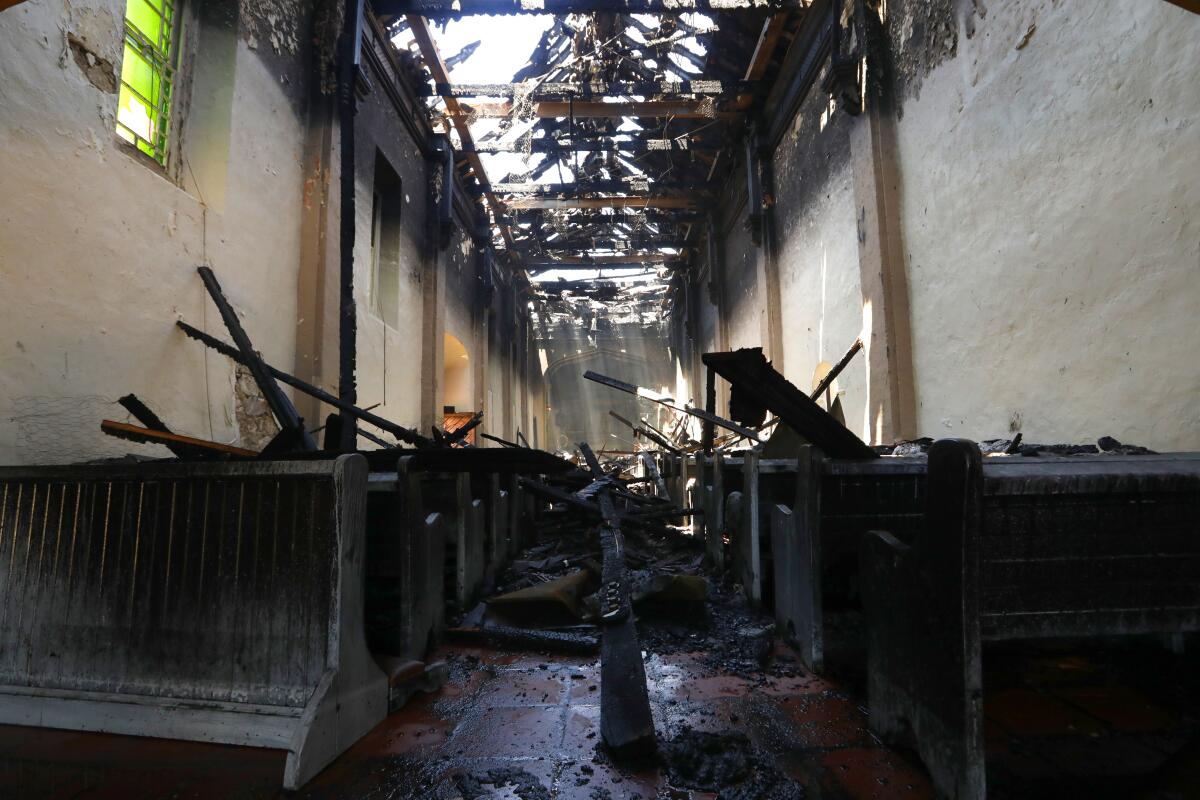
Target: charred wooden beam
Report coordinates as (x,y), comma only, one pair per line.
(592,109)
(522,639)
(499,441)
(748,371)
(631,257)
(437,67)
(458,8)
(604,145)
(530,189)
(460,433)
(662,438)
(399,431)
(281,406)
(630,217)
(636,242)
(626,724)
(831,376)
(566,91)
(142,413)
(192,446)
(686,202)
(654,397)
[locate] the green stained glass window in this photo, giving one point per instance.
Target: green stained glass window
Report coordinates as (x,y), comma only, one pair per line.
(147,73)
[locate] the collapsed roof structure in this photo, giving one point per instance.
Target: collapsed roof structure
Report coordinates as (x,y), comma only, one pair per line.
(617,132)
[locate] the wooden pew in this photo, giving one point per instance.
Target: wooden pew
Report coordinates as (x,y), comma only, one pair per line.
(815,531)
(1086,547)
(205,601)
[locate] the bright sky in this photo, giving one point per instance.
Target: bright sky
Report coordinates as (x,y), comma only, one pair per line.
(505,45)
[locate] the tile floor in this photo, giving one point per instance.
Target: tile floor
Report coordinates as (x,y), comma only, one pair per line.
(1057,725)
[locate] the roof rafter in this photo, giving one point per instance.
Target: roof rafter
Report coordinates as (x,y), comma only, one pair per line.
(456,8)
(437,67)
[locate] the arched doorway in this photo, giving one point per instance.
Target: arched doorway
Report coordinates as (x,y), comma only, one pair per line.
(458,385)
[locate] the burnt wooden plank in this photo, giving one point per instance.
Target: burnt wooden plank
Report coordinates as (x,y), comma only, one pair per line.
(749,369)
(281,406)
(653,397)
(193,446)
(924,648)
(399,431)
(626,724)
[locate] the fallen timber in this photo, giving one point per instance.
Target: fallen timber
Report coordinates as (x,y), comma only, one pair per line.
(142,413)
(181,446)
(626,725)
(458,8)
(686,409)
(520,638)
(749,372)
(405,435)
(290,423)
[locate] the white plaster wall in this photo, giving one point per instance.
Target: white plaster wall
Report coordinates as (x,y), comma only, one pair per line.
(98,252)
(746,305)
(1051,215)
(389,358)
(820,294)
(493,392)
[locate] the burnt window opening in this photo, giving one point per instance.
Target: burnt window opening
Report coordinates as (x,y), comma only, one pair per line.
(386,210)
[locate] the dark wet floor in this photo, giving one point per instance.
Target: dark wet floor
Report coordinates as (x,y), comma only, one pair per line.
(524,725)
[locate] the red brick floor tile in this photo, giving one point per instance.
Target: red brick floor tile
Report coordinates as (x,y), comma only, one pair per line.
(995,739)
(406,733)
(525,732)
(1122,708)
(584,686)
(582,731)
(873,773)
(795,685)
(522,688)
(1024,712)
(545,770)
(580,779)
(712,717)
(825,721)
(1045,670)
(1085,756)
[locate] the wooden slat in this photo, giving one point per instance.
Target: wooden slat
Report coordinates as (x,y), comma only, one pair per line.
(134,433)
(622,201)
(552,90)
(590,109)
(457,8)
(768,39)
(748,369)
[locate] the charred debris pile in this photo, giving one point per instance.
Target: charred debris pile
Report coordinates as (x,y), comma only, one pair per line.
(339,433)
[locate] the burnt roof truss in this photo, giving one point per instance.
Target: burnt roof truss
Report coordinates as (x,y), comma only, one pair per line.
(623,123)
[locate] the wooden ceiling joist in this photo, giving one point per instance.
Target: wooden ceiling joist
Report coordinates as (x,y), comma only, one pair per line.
(437,67)
(577,245)
(632,257)
(592,109)
(682,144)
(458,8)
(679,90)
(629,185)
(635,217)
(689,202)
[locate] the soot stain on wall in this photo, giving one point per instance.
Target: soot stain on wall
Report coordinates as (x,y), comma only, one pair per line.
(921,34)
(816,147)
